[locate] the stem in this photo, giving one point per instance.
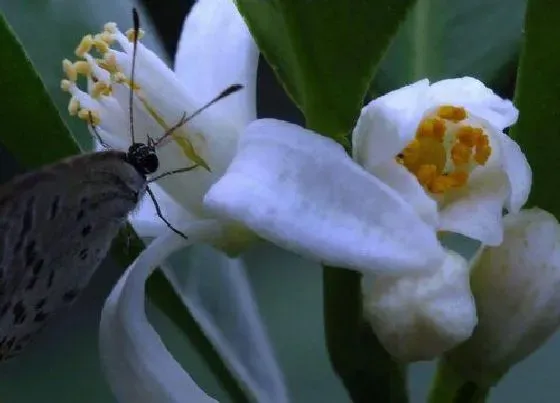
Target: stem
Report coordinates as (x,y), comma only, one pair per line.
(449,386)
(368,372)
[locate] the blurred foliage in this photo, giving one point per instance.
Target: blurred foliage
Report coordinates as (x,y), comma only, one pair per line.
(33,130)
(452,38)
(538,100)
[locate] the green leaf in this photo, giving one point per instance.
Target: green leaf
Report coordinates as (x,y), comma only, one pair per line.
(452,38)
(538,99)
(367,370)
(32,129)
(325,52)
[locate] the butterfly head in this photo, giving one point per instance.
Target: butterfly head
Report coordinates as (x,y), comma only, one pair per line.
(143,157)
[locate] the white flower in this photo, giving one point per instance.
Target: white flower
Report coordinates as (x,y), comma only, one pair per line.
(210,38)
(442,147)
(517,293)
(419,317)
(215,51)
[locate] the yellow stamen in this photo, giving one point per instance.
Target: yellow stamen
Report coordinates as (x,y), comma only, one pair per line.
(65,85)
(85,46)
(130,34)
(100,88)
(445,150)
(461,154)
(468,135)
(82,68)
(70,70)
(110,27)
(441,184)
(101,46)
(426,174)
(431,127)
(90,116)
(453,113)
(73,106)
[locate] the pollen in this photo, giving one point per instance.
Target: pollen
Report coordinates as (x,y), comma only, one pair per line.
(447,147)
(73,106)
(431,127)
(100,44)
(90,116)
(110,27)
(65,85)
(131,33)
(84,46)
(100,88)
(452,113)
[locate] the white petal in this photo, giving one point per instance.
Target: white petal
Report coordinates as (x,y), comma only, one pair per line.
(419,317)
(476,210)
(518,171)
(387,124)
(216,291)
(399,178)
(137,365)
(303,192)
(215,51)
(476,98)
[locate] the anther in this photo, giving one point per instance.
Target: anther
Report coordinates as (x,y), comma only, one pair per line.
(82,67)
(100,88)
(89,116)
(131,33)
(65,85)
(101,46)
(73,106)
(453,113)
(69,70)
(461,154)
(85,46)
(110,27)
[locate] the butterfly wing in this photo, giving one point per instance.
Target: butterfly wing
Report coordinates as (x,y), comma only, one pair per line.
(56,226)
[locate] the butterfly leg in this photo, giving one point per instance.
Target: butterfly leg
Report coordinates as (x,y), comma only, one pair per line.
(175,171)
(94,128)
(160,215)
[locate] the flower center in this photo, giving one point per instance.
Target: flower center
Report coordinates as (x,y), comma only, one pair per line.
(102,74)
(446,149)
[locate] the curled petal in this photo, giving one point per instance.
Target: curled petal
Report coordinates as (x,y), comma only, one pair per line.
(137,364)
(387,124)
(399,178)
(216,290)
(216,50)
(302,192)
(518,171)
(420,317)
(476,210)
(476,98)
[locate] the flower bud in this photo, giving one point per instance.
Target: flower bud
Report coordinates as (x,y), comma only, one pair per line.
(517,293)
(420,317)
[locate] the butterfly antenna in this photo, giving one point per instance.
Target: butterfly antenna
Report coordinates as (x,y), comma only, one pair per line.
(136,33)
(225,93)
